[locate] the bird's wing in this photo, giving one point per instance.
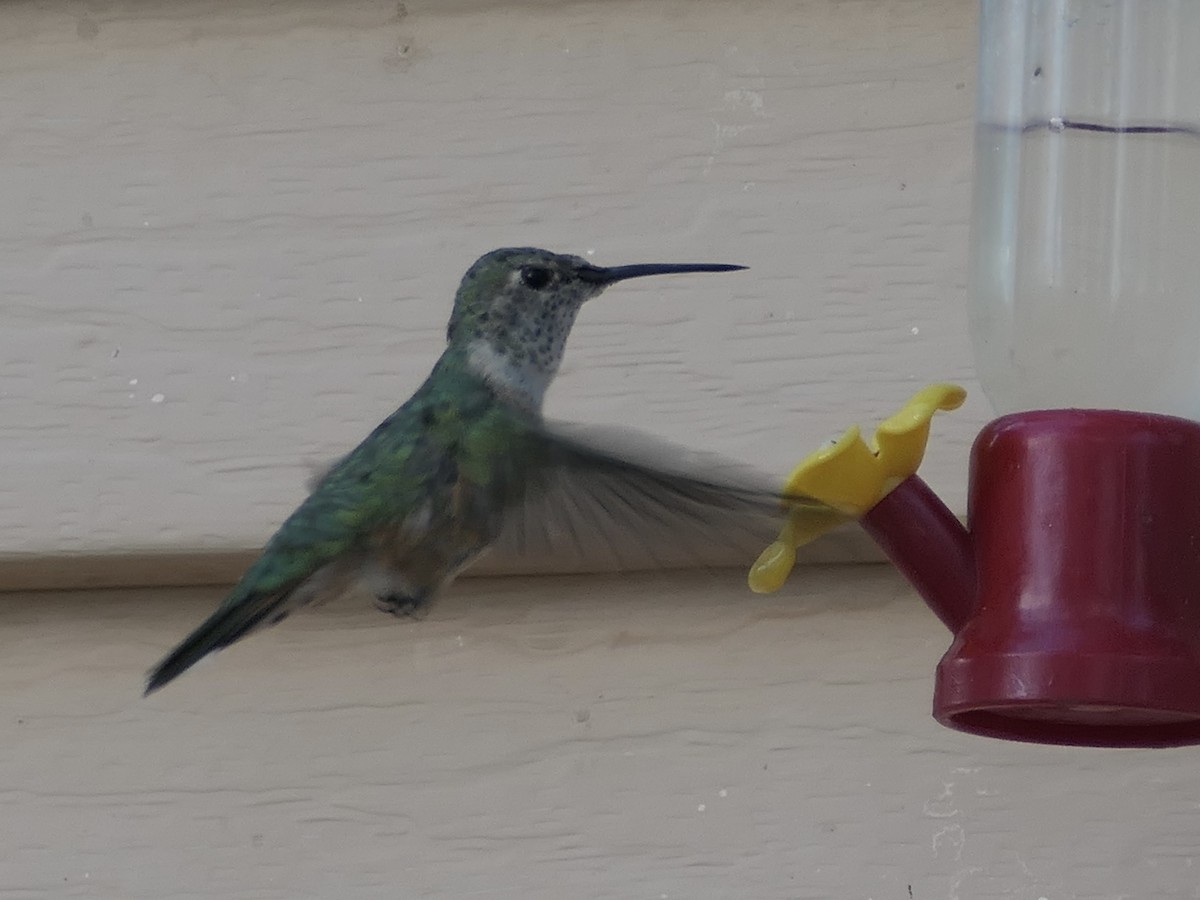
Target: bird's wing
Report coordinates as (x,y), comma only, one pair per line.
(619,500)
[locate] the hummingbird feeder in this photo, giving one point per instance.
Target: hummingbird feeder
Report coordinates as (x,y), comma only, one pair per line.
(1073,591)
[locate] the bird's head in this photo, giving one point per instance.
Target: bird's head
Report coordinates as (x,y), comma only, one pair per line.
(515,307)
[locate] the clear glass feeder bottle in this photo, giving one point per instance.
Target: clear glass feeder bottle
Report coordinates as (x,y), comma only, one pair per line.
(1085,241)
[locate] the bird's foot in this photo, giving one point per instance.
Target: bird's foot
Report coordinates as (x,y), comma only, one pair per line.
(406,606)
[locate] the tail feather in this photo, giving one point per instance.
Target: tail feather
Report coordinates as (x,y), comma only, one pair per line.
(233,620)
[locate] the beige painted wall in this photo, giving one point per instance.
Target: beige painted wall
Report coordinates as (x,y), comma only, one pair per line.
(228,238)
(553,738)
(230,233)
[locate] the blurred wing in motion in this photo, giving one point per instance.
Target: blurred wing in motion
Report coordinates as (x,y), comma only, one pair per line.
(618,500)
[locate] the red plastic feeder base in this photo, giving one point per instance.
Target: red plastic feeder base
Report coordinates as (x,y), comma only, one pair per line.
(1079,622)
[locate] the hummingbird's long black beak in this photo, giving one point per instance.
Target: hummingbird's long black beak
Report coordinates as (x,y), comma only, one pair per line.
(601,275)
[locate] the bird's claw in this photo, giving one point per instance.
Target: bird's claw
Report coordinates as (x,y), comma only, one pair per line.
(403,606)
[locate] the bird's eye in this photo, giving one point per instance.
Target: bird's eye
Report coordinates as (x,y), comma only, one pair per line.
(536,277)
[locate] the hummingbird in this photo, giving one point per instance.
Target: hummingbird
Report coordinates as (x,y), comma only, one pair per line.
(469,463)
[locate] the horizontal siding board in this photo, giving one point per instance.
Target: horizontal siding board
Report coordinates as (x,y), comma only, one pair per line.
(231,235)
(536,739)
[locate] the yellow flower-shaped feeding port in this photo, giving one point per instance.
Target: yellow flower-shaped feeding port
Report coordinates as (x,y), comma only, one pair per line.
(851,477)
